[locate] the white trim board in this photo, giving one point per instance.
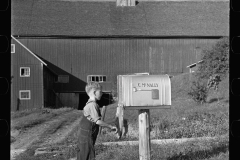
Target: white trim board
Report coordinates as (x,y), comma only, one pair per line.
(28,50)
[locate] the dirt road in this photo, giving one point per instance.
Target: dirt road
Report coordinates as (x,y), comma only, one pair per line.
(46,131)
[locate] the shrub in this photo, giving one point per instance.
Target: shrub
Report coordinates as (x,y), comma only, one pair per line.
(215,60)
(213,81)
(198,92)
(212,70)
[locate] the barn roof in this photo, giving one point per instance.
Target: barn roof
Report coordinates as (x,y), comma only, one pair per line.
(28,50)
(94,18)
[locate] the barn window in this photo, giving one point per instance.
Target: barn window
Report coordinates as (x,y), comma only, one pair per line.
(24,94)
(63,79)
(126,3)
(12,48)
(104,78)
(24,71)
(96,78)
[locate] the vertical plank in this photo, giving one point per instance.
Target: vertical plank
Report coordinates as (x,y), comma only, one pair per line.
(144,134)
(103,111)
(119,115)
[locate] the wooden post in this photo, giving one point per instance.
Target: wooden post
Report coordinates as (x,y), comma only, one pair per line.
(103,111)
(119,115)
(144,134)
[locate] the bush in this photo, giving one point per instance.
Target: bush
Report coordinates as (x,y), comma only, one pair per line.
(215,60)
(213,69)
(198,92)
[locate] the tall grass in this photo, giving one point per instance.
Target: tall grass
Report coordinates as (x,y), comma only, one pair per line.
(185,119)
(198,150)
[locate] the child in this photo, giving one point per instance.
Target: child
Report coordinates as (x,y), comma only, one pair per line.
(90,122)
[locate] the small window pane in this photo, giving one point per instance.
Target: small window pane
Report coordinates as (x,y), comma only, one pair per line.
(93,79)
(97,79)
(25,72)
(104,78)
(24,94)
(22,72)
(12,48)
(89,78)
(100,79)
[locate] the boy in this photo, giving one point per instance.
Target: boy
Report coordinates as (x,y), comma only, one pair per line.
(90,122)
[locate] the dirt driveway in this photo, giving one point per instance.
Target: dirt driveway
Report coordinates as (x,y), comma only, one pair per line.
(43,131)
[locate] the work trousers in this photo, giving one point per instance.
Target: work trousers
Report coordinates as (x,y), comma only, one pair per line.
(87,135)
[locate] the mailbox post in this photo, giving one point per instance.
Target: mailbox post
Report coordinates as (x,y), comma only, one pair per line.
(144,134)
(143,92)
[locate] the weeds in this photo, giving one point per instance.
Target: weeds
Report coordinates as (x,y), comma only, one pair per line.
(198,150)
(186,119)
(193,125)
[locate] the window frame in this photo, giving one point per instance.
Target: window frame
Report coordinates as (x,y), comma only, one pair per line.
(12,48)
(93,78)
(28,75)
(29,93)
(60,79)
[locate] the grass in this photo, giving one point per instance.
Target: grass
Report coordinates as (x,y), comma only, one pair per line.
(198,150)
(18,114)
(186,118)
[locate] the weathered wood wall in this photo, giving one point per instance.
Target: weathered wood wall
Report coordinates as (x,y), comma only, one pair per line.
(34,83)
(114,56)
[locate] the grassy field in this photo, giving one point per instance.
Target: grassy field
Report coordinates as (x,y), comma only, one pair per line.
(185,119)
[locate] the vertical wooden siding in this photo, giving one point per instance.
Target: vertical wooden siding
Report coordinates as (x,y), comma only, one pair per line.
(21,58)
(48,83)
(82,57)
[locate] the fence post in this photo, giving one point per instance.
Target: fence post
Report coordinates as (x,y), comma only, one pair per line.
(103,111)
(119,116)
(144,134)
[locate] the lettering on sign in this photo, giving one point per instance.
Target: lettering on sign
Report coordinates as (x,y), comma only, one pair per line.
(147,85)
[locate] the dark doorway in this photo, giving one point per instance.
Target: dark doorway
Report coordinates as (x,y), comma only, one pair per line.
(83,98)
(105,100)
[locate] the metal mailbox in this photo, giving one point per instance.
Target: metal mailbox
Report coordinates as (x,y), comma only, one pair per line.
(144,90)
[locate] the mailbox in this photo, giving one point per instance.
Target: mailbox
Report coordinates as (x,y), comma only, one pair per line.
(144,90)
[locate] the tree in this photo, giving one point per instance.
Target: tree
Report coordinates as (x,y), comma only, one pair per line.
(211,71)
(215,61)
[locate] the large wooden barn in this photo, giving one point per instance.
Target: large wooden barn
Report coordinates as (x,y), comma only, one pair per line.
(59,45)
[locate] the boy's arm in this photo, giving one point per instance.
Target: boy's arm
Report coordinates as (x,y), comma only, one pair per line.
(94,113)
(104,124)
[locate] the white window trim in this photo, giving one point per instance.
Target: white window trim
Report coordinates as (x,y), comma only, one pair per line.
(12,48)
(24,75)
(89,78)
(24,91)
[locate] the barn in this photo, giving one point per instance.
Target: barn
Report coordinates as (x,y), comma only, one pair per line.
(66,43)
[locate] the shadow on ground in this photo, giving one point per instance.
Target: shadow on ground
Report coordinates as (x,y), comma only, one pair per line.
(201,154)
(214,100)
